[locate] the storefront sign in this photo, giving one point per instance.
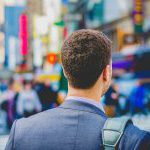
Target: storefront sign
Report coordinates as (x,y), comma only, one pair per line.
(138,16)
(24,34)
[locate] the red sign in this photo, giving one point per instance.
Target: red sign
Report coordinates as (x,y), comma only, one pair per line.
(65,32)
(24,34)
(51,58)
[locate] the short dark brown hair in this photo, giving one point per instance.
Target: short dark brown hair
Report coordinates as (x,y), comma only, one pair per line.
(84,55)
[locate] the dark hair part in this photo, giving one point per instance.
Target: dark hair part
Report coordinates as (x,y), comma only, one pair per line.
(84,55)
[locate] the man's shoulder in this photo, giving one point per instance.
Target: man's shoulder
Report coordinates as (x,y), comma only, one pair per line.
(42,120)
(41,117)
(55,115)
(135,138)
(32,128)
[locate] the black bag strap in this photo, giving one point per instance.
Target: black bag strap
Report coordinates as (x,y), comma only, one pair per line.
(113,130)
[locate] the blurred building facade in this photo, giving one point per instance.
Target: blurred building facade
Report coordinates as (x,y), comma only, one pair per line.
(12,11)
(44,35)
(40,26)
(126,22)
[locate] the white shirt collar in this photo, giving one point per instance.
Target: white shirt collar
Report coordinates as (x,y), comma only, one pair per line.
(86,100)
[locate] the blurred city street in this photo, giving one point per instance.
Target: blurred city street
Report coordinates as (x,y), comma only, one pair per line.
(31,75)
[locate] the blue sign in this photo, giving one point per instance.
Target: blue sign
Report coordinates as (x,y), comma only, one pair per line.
(12,14)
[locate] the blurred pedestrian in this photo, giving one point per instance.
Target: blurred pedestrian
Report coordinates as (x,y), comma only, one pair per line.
(7,102)
(3,85)
(47,96)
(137,99)
(28,101)
(111,101)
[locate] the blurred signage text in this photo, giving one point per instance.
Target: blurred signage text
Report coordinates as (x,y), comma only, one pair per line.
(24,34)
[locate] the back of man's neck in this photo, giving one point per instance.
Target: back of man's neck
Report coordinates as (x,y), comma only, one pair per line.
(85,93)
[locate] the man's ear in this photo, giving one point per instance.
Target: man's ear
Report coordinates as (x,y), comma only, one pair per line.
(106,74)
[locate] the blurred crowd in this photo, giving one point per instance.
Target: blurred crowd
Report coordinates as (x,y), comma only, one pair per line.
(137,101)
(24,98)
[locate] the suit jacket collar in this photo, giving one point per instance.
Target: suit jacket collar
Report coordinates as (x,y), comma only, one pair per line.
(81,106)
(86,100)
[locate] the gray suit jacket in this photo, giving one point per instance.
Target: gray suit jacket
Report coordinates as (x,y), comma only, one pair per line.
(72,126)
